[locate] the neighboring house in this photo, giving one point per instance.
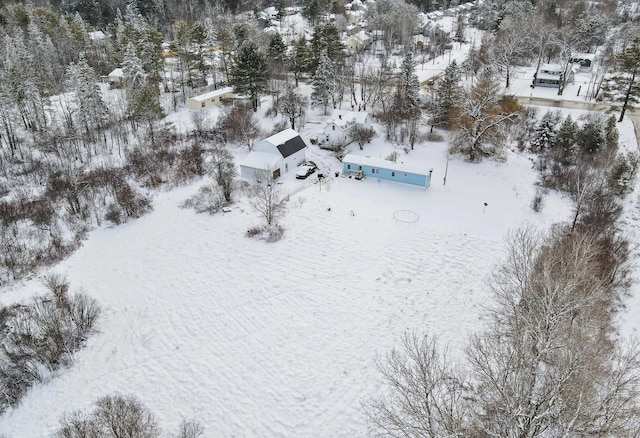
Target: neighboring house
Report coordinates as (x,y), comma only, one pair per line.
(358,42)
(116,78)
(338,131)
(97,35)
(361,167)
(206,101)
(353,29)
(550,74)
(354,16)
(585,61)
(276,155)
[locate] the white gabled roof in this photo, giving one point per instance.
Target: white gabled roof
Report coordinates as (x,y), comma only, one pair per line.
(97,35)
(281,137)
(384,164)
(348,117)
(212,94)
(551,69)
(260,160)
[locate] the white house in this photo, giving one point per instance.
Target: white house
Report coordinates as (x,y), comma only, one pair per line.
(550,74)
(208,100)
(277,155)
(358,42)
(338,131)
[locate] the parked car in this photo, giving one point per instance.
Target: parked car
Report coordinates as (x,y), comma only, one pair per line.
(305,170)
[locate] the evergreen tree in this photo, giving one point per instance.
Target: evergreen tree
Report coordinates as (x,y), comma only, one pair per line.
(460,27)
(90,110)
(590,136)
(326,37)
(300,59)
(323,83)
(142,99)
(408,89)
(545,132)
(276,54)
(447,95)
(249,72)
(277,49)
(611,133)
(135,76)
(566,140)
(198,37)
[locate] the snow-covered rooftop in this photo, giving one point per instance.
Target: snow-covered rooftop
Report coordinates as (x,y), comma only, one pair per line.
(385,164)
(282,137)
(260,160)
(212,94)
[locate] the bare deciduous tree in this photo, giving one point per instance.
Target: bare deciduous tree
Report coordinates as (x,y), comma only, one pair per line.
(426,393)
(224,171)
(293,106)
(189,429)
(480,120)
(267,198)
(546,365)
(124,416)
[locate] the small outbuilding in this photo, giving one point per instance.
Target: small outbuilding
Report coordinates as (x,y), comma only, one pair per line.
(116,78)
(275,156)
(208,100)
(361,167)
(584,61)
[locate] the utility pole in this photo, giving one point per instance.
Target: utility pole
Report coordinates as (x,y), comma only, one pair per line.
(446,169)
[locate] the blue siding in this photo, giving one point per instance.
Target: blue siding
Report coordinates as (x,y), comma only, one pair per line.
(417,179)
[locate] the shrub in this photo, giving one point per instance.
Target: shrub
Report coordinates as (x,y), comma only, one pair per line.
(209,199)
(393,156)
(39,337)
(133,204)
(434,136)
(268,233)
(537,203)
(190,163)
(118,416)
(114,214)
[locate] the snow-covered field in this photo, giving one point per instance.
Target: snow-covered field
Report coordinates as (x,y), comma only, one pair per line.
(280,339)
(258,339)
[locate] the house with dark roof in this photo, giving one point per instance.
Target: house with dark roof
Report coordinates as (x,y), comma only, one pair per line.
(276,155)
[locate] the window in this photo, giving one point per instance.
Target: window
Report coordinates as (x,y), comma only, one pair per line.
(286,167)
(374,171)
(202,105)
(405,174)
(393,174)
(359,167)
(349,166)
(334,127)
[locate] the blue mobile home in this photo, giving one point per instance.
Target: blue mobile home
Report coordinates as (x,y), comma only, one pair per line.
(361,167)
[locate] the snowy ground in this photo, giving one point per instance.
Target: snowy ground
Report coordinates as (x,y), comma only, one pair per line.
(257,339)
